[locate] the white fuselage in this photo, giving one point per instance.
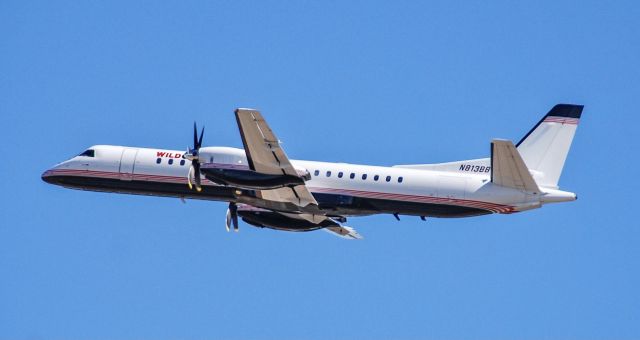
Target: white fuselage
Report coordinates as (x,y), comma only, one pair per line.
(375,189)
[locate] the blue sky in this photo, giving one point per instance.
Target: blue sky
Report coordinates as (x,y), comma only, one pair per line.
(364,82)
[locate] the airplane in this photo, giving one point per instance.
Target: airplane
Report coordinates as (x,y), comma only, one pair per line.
(266,189)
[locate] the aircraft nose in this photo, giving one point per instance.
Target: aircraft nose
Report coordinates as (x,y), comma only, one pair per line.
(53,175)
(47,176)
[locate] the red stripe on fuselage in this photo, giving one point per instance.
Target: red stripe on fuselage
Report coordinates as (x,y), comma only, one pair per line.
(493,207)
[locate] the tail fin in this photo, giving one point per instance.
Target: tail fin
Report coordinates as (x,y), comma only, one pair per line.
(544,149)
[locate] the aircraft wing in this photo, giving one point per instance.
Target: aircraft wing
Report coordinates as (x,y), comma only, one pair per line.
(265,155)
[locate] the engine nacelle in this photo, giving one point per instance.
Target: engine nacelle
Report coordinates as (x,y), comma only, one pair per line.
(274,220)
(240,176)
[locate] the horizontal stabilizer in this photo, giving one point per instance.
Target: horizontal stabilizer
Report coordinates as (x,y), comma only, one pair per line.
(344,232)
(508,169)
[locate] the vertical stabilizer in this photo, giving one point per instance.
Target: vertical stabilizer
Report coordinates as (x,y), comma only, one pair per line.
(544,149)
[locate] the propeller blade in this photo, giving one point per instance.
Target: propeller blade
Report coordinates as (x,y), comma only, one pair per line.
(232,217)
(200,140)
(196,169)
(193,178)
(233,210)
(195,136)
(190,176)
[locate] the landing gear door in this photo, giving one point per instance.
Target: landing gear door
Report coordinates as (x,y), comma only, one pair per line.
(127,164)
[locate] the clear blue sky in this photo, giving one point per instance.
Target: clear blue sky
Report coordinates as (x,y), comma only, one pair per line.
(367,82)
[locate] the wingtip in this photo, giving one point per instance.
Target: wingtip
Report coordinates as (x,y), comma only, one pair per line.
(244,109)
(344,232)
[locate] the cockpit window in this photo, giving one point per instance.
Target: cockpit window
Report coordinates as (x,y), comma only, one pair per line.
(88,153)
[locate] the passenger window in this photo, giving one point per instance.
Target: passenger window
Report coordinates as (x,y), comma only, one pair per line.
(364,176)
(171,161)
(182,162)
(352,176)
(316,173)
(340,174)
(388,178)
(159,160)
(376,177)
(328,173)
(399,179)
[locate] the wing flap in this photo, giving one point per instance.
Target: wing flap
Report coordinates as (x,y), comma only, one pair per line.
(298,195)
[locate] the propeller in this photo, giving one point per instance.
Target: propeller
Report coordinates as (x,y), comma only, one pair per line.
(193,154)
(232,217)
